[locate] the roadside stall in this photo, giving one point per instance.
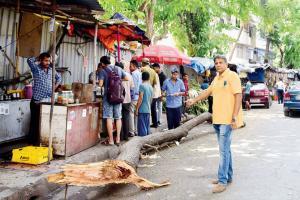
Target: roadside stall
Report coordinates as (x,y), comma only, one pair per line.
(73,113)
(71,120)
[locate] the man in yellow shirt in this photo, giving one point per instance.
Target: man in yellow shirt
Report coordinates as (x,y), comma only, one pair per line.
(227,98)
(146,68)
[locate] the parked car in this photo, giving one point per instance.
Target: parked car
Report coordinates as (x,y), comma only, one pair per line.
(291,102)
(259,95)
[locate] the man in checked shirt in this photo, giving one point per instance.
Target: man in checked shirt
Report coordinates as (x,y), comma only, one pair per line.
(41,69)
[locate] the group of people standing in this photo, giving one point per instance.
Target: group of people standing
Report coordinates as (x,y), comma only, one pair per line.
(145,87)
(142,90)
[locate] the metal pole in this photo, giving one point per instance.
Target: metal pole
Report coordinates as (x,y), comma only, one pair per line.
(95,54)
(66,191)
(53,87)
(119,50)
(17,40)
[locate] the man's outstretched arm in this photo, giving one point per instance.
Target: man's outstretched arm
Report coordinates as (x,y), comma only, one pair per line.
(202,96)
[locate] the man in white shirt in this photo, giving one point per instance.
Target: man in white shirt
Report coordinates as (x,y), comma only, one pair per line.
(280,90)
(156,96)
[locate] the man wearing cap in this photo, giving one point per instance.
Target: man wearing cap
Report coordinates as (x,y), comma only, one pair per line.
(227,115)
(146,68)
(174,90)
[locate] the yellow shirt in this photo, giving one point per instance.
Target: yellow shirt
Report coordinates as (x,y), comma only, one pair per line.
(223,89)
(152,73)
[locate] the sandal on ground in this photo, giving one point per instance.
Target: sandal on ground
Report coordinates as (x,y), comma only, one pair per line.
(106,142)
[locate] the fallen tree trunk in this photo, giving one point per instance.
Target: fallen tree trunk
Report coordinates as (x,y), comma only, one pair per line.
(130,151)
(122,169)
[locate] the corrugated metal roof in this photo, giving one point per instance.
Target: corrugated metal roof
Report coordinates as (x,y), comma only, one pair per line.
(68,55)
(91,4)
(82,9)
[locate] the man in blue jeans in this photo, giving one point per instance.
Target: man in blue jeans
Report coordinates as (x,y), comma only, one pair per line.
(174,89)
(226,90)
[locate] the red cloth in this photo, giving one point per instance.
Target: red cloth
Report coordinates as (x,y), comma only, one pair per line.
(108,36)
(186,85)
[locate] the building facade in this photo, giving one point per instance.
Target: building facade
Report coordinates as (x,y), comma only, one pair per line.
(251,46)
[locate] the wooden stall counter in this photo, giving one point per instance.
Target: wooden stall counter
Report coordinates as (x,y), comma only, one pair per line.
(75,127)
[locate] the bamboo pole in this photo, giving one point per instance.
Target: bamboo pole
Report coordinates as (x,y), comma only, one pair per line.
(95,54)
(16,74)
(53,86)
(119,49)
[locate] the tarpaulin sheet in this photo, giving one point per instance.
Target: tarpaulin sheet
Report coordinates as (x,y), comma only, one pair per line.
(200,65)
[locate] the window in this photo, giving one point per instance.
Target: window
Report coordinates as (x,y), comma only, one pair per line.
(252,31)
(237,23)
(246,28)
(228,19)
(239,51)
(249,54)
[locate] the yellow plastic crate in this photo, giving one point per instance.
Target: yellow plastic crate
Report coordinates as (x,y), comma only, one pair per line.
(31,155)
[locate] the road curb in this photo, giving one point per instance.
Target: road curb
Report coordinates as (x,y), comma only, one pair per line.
(42,188)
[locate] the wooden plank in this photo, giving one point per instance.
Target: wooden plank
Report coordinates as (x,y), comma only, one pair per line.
(30,35)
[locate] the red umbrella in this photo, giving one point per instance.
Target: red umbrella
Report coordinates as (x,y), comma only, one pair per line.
(164,55)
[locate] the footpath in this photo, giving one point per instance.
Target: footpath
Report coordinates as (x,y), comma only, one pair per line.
(18,181)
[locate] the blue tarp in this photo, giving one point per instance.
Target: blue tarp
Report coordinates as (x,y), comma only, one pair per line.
(257,76)
(200,65)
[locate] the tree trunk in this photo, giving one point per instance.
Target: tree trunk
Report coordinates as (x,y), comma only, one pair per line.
(130,151)
(281,56)
(150,18)
(163,35)
(235,44)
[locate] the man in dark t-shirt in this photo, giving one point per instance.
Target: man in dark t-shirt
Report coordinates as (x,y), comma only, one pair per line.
(162,77)
(111,112)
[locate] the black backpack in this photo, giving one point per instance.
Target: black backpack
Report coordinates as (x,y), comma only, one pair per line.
(115,89)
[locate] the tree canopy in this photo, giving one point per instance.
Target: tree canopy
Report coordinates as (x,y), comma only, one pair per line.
(196,26)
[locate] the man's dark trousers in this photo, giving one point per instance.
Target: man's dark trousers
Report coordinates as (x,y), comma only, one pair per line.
(174,117)
(154,112)
(34,132)
(210,104)
(125,121)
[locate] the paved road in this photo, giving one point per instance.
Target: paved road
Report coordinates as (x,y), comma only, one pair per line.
(266,165)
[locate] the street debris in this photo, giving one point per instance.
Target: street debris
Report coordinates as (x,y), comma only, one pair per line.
(101,174)
(153,156)
(146,165)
